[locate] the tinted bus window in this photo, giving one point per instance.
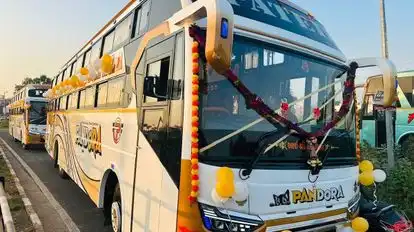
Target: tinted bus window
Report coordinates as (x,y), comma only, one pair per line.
(283,16)
(90,97)
(122,32)
(102,94)
(108,43)
(115,88)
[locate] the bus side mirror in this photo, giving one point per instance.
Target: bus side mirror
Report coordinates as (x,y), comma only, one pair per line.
(389,75)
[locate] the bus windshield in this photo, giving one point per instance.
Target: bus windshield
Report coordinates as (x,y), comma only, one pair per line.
(37,113)
(276,75)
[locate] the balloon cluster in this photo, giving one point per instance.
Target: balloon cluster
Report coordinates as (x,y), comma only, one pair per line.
(84,75)
(227,188)
(368,175)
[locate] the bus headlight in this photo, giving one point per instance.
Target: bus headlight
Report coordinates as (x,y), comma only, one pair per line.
(353,205)
(214,220)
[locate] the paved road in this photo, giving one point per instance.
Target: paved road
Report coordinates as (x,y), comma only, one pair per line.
(77,204)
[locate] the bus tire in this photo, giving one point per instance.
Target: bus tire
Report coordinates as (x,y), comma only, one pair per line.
(62,173)
(55,154)
(116,210)
(25,146)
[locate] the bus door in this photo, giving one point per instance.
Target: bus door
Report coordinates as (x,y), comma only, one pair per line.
(158,160)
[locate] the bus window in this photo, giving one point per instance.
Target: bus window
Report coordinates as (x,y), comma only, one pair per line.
(96,51)
(62,75)
(178,75)
(122,32)
(72,71)
(90,97)
(115,88)
(406,84)
(156,81)
(62,103)
(78,64)
(102,94)
(82,99)
(87,58)
(137,18)
(369,106)
(143,23)
(73,101)
(108,42)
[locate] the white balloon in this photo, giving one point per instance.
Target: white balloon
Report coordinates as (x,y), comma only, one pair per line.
(97,64)
(379,175)
(216,198)
(242,191)
(346,229)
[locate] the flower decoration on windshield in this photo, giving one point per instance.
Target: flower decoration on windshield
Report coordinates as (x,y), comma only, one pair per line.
(316,113)
(284,107)
(194,126)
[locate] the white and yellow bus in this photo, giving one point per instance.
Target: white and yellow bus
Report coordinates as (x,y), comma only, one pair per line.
(27,121)
(149,118)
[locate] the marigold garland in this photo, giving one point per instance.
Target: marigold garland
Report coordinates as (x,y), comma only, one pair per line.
(194,125)
(357,130)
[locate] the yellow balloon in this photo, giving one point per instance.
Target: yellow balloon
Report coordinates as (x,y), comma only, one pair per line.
(366,165)
(84,71)
(366,178)
(225,190)
(106,63)
(106,59)
(225,182)
(74,81)
(107,68)
(360,224)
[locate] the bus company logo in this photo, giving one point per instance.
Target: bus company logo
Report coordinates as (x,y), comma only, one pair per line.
(88,138)
(117,128)
(308,195)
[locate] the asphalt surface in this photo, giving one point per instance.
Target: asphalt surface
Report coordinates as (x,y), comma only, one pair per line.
(73,200)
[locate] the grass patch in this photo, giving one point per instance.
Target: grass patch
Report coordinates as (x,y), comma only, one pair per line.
(17,209)
(4,123)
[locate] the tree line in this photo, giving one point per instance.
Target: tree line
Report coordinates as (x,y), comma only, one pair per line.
(42,79)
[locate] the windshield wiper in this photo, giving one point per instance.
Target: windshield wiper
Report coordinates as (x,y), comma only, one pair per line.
(261,149)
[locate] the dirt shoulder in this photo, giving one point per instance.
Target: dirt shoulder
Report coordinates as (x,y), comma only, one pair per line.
(21,219)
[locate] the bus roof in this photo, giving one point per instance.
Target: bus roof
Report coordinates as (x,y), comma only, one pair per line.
(100,33)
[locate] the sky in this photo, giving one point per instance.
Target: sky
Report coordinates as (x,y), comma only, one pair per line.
(38,37)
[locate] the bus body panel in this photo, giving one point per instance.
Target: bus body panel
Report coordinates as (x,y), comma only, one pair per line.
(86,159)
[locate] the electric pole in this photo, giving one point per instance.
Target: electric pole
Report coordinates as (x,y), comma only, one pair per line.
(388,113)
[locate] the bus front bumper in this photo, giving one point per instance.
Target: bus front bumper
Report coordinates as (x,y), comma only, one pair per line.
(35,138)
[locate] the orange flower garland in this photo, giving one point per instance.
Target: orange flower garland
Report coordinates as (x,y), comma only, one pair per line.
(357,130)
(194,126)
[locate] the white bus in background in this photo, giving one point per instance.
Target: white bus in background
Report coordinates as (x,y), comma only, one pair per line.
(27,120)
(126,135)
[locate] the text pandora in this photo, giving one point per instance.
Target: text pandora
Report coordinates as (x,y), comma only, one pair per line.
(310,195)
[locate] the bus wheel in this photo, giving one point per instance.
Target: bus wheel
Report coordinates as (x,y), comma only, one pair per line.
(25,146)
(62,173)
(116,210)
